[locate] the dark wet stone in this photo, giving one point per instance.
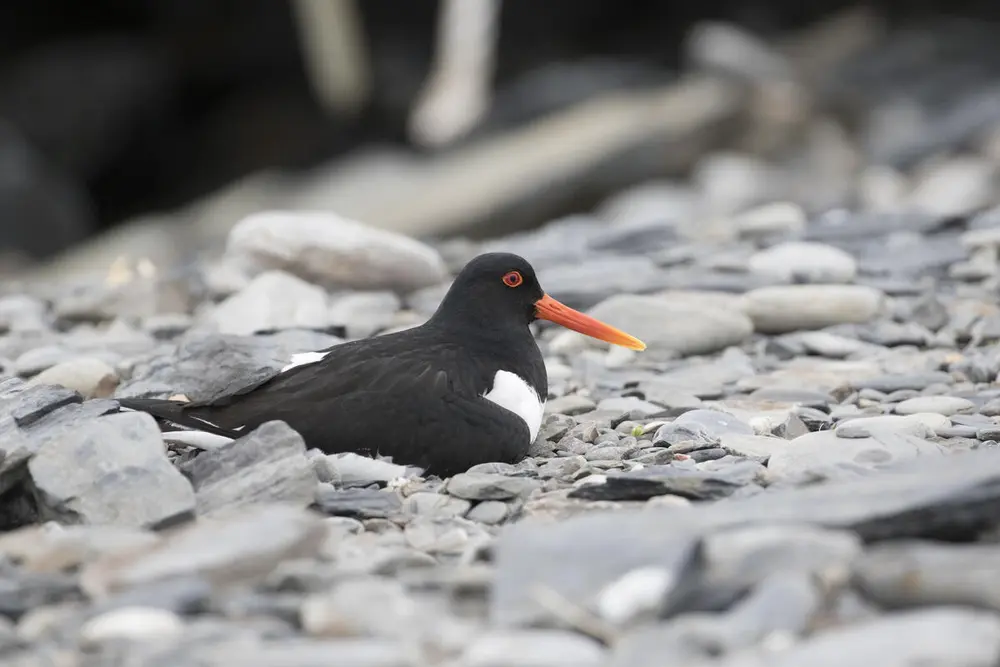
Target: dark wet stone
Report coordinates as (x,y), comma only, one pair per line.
(711,454)
(357,503)
(653,481)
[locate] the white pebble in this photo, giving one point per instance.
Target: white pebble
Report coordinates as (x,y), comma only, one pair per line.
(133,623)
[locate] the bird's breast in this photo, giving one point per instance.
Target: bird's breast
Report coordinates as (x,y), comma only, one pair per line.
(511,391)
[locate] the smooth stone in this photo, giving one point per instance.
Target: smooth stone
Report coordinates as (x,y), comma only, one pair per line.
(489,512)
(364,313)
(920,424)
(487,486)
(248,650)
(365,606)
(829,345)
(757,447)
(771,218)
(133,624)
(272,300)
(570,404)
(533,648)
(804,262)
(629,404)
(664,327)
(928,497)
(917,573)
(88,376)
(241,548)
(957,186)
(784,308)
(110,470)
(895,382)
(946,636)
(330,250)
(438,536)
(53,547)
(267,465)
(943,405)
(815,452)
(701,426)
(436,504)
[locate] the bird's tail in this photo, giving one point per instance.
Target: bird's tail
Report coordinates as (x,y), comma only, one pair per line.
(173,411)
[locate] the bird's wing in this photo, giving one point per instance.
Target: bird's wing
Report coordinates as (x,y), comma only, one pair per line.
(383,373)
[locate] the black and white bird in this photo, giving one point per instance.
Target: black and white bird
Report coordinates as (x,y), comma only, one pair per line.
(466,387)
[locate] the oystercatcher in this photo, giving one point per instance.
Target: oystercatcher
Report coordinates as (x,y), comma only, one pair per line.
(466,387)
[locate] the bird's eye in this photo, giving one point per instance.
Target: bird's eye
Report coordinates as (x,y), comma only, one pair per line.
(512,279)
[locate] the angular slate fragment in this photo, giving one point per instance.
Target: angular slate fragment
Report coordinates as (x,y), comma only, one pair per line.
(357,503)
(267,465)
(110,470)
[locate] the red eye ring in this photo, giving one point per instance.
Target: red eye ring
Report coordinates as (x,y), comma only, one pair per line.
(512,279)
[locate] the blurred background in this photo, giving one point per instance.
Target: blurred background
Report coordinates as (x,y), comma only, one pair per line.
(147,128)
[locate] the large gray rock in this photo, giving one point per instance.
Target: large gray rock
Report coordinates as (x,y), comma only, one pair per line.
(110,470)
(665,327)
(785,308)
(824,450)
(205,366)
(265,466)
(327,249)
(953,495)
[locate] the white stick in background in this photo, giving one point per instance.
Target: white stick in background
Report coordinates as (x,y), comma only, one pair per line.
(457,92)
(335,53)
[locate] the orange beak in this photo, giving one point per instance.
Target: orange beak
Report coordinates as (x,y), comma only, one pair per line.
(549,309)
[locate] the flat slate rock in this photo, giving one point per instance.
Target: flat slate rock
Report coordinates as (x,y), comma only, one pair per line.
(950,496)
(660,480)
(204,367)
(267,465)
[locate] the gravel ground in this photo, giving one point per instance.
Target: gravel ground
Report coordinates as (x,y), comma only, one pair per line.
(802,468)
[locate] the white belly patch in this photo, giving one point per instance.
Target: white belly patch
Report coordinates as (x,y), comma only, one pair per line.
(511,392)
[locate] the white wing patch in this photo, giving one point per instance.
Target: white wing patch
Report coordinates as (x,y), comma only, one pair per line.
(199,439)
(303,358)
(511,392)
